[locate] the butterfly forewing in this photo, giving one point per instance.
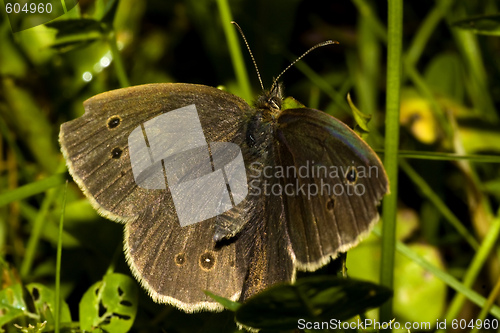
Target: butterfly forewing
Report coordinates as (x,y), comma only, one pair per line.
(174,263)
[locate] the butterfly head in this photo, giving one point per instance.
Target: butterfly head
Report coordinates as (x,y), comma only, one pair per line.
(271,100)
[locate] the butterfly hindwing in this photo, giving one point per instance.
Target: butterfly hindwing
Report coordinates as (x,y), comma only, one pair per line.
(332,206)
(176,264)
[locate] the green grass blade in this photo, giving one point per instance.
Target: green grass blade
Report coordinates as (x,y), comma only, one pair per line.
(470,294)
(448,279)
(487,246)
(58,265)
(439,204)
(324,85)
(36,232)
(366,11)
(31,189)
(426,92)
(425,31)
(487,307)
(235,50)
(389,209)
(468,45)
(117,61)
(439,156)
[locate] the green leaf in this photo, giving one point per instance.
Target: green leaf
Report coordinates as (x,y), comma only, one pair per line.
(45,301)
(483,25)
(110,304)
(313,299)
(415,286)
(25,115)
(361,118)
(492,187)
(444,75)
(110,13)
(74,33)
(479,136)
(75,27)
(291,103)
(11,303)
(227,303)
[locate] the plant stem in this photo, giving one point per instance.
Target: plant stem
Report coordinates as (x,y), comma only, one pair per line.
(235,50)
(36,232)
(439,204)
(486,248)
(394,65)
(58,265)
(117,60)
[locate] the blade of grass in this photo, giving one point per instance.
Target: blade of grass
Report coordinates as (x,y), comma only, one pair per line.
(389,208)
(364,64)
(234,49)
(114,260)
(117,60)
(319,81)
(63,3)
(36,232)
(438,156)
(425,31)
(57,311)
(413,54)
(28,121)
(426,92)
(443,276)
(368,73)
(487,246)
(474,61)
(415,51)
(314,97)
(487,307)
(469,47)
(31,189)
(438,203)
(367,13)
(40,219)
(20,159)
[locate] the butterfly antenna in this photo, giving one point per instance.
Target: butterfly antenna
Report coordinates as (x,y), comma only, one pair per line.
(249,51)
(328,42)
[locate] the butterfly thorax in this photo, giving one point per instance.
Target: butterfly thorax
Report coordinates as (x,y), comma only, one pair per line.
(270,102)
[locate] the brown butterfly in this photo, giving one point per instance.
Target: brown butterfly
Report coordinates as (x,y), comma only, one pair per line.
(313,190)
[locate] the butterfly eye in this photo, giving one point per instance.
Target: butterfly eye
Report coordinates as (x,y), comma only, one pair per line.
(207,261)
(116,153)
(330,204)
(114,121)
(351,175)
(180,259)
